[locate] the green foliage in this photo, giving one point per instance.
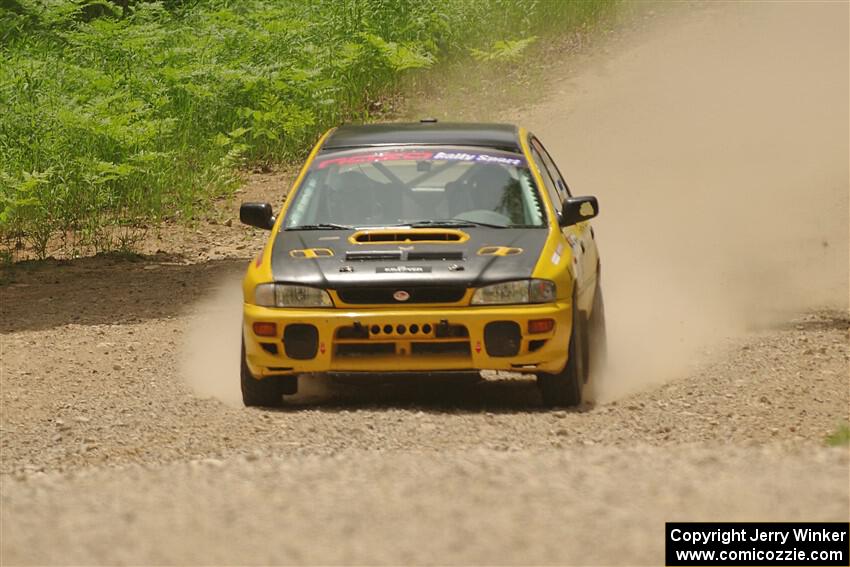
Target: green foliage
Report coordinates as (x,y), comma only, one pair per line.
(503,50)
(118,113)
(840,437)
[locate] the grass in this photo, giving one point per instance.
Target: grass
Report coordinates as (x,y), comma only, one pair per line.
(119,114)
(840,437)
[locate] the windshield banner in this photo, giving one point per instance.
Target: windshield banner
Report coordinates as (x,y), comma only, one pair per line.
(418,155)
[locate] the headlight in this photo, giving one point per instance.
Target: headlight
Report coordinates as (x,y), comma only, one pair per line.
(522,291)
(282,295)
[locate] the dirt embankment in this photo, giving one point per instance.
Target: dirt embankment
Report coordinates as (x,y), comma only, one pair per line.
(717,142)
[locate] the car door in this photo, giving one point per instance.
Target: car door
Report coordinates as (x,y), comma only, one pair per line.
(580,236)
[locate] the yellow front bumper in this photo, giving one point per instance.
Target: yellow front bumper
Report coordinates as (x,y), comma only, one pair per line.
(544,352)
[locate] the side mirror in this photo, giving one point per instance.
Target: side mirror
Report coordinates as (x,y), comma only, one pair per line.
(578,209)
(257,214)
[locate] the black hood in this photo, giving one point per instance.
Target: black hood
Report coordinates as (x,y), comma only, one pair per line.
(405,263)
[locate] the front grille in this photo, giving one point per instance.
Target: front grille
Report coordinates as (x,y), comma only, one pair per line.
(438,348)
(426,348)
(443,330)
(377,330)
(356,331)
(365,349)
(418,294)
(382,338)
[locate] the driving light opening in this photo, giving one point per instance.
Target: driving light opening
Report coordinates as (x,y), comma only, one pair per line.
(265,329)
(536,326)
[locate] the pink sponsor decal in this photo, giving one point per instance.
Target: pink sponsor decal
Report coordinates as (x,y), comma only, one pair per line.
(376,156)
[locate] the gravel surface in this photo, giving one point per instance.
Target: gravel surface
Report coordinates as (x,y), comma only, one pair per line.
(123,442)
(591,505)
(110,395)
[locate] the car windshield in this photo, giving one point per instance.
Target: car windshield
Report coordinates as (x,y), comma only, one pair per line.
(410,186)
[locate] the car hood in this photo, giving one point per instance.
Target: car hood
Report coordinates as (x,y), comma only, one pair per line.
(354,264)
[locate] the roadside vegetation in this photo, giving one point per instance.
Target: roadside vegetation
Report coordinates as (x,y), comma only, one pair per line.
(120,114)
(840,437)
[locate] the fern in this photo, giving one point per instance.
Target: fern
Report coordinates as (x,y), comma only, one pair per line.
(114,115)
(503,51)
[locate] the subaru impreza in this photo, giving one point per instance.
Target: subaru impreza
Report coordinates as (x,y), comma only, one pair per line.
(424,248)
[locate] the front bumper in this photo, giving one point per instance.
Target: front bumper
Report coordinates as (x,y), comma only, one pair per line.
(426,339)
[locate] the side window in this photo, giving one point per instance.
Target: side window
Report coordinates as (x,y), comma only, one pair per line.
(551,188)
(563,189)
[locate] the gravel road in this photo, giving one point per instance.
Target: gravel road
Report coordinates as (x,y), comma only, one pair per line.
(123,441)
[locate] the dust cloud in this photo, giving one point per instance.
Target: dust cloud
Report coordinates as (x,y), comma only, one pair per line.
(718,146)
(209,362)
(717,143)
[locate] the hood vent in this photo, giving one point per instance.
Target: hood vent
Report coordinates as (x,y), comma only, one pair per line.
(408,235)
(434,255)
(366,255)
(398,255)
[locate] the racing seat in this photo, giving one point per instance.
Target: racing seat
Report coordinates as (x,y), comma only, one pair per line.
(489,187)
(457,197)
(351,198)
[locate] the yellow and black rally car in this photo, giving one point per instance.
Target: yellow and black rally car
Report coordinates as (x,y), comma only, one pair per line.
(424,247)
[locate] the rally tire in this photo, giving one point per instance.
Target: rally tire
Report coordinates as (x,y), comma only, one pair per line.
(565,388)
(598,336)
(597,347)
(267,392)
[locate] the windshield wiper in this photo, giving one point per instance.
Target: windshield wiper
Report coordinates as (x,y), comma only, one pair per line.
(320,226)
(453,222)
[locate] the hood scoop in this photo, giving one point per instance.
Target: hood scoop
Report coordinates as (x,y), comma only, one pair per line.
(408,235)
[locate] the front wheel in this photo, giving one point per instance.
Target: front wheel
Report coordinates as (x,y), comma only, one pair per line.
(565,388)
(267,392)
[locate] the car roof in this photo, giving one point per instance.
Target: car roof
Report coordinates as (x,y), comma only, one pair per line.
(425,133)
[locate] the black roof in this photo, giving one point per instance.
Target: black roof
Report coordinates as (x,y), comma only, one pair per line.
(500,136)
